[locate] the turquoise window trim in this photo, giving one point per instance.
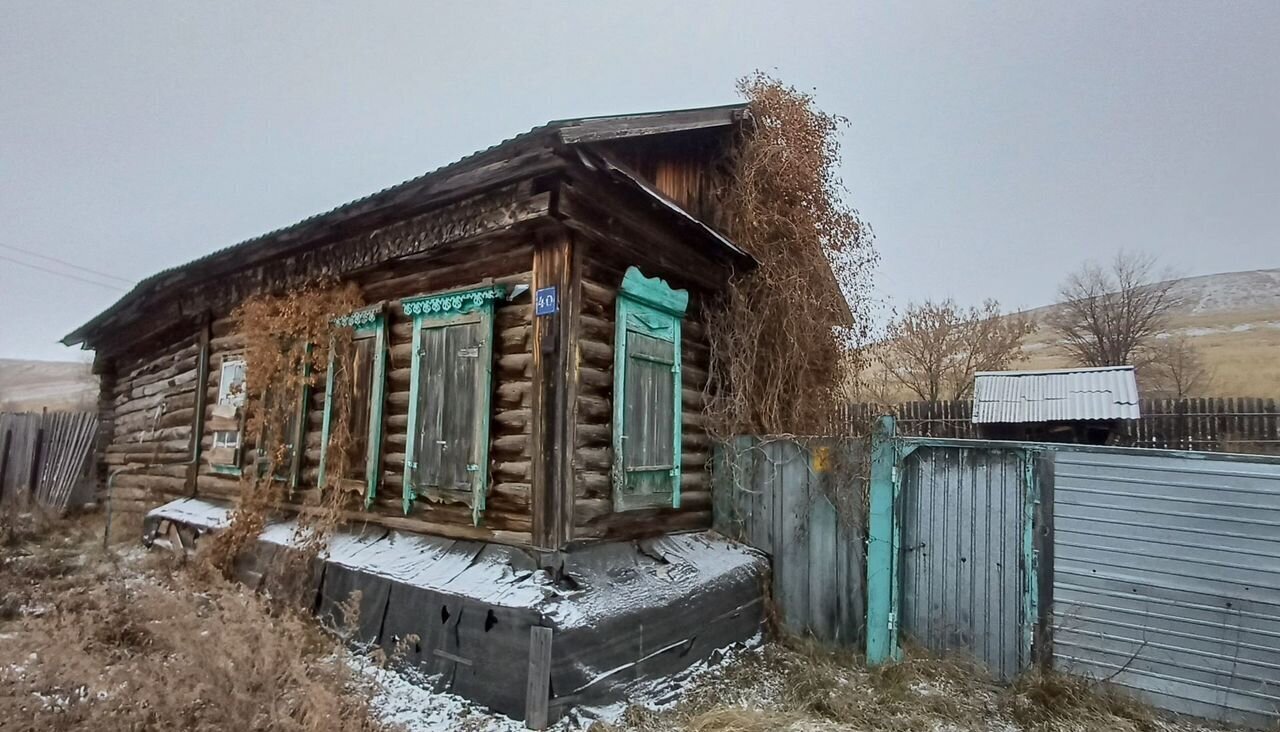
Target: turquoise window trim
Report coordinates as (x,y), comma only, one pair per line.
(651,307)
(299,435)
(438,310)
(364,322)
(1030,557)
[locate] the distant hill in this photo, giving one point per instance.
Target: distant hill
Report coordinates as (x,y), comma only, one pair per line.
(55,385)
(1232,318)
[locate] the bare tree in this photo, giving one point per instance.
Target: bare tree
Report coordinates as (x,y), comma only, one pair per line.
(1108,316)
(934,349)
(1173,368)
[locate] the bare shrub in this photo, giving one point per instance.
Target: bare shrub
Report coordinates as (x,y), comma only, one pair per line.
(288,339)
(1174,369)
(1109,315)
(782,337)
(935,348)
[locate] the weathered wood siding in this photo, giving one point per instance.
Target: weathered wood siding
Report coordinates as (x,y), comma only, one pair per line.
(147,408)
(149,404)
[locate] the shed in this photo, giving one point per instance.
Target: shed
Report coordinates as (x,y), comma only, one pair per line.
(1059,405)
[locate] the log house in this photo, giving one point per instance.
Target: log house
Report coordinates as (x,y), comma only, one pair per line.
(532,372)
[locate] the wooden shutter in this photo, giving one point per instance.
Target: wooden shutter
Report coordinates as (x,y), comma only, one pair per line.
(447,455)
(649,416)
(647,395)
(360,383)
(357,378)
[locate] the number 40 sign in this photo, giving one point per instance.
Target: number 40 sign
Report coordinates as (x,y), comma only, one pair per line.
(544,301)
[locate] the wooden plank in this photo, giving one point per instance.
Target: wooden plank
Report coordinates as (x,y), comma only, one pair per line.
(538,690)
(555,264)
(202,397)
(791,558)
(5,444)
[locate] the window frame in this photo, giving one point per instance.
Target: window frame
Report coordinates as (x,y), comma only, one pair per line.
(369,321)
(226,398)
(650,307)
(438,310)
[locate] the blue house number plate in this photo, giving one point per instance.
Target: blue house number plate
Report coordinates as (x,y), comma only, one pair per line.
(544,301)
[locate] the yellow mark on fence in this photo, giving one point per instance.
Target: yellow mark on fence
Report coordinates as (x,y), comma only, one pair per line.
(821,459)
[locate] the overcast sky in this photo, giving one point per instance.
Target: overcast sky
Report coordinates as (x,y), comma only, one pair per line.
(992,146)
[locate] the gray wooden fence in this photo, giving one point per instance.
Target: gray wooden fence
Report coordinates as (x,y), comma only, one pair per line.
(44,457)
(801,502)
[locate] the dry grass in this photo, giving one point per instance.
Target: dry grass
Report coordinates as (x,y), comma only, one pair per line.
(89,643)
(123,639)
(803,688)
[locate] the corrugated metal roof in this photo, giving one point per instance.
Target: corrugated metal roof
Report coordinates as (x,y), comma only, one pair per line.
(1065,394)
(568,131)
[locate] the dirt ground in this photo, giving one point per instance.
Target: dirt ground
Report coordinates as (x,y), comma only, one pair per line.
(119,638)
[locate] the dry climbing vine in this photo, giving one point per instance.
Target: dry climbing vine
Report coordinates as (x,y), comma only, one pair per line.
(287,340)
(782,343)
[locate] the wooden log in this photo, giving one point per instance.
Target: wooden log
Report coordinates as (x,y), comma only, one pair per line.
(511,315)
(597,328)
(594,434)
(515,394)
(513,419)
(598,460)
(516,339)
(175,445)
(588,483)
(515,493)
(423,526)
(596,353)
(633,527)
(598,294)
(515,471)
(507,446)
(502,263)
(227,345)
(594,408)
(398,379)
(515,365)
(593,380)
(154,483)
(586,510)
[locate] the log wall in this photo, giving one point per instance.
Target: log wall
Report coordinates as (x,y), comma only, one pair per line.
(149,404)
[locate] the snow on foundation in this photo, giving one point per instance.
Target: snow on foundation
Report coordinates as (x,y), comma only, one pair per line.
(622,613)
(607,578)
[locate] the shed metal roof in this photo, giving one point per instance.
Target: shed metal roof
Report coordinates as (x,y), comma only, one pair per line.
(1105,393)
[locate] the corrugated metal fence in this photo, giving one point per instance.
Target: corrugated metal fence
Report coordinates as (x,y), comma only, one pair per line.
(1155,570)
(966,571)
(1166,578)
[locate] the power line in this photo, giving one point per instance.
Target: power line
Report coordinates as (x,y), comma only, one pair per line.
(62,274)
(65,263)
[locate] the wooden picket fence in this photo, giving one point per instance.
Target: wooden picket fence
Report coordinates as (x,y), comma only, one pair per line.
(45,456)
(1236,424)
